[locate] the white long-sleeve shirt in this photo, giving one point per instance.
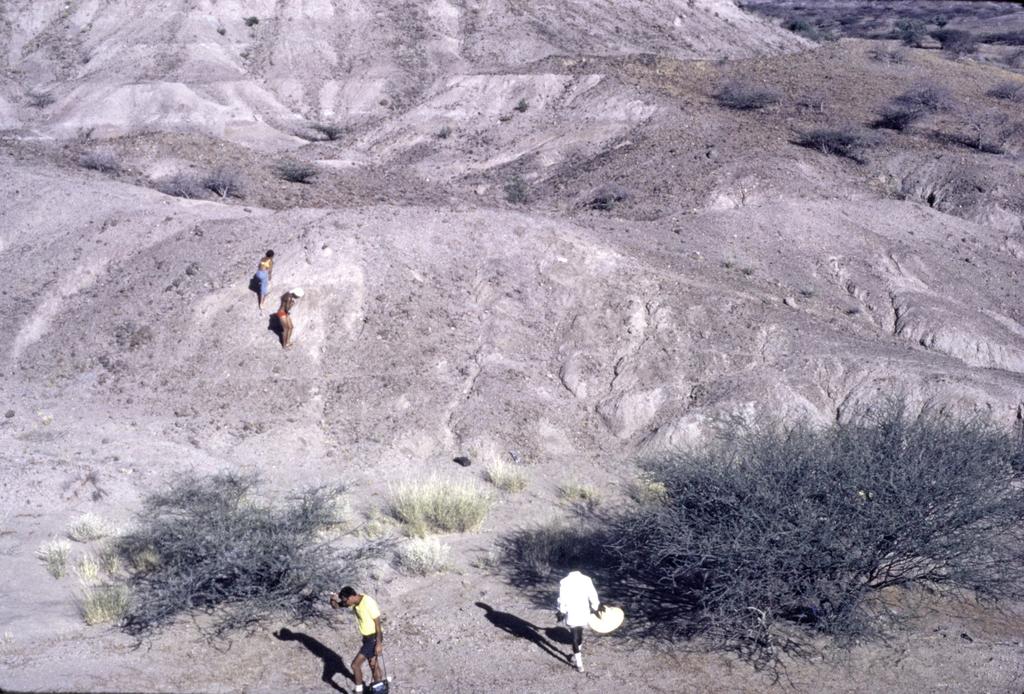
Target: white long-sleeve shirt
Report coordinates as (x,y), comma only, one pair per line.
(576,598)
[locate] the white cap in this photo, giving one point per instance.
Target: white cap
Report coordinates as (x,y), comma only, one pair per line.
(297,292)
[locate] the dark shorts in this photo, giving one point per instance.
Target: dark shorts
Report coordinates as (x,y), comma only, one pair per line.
(264,281)
(369,648)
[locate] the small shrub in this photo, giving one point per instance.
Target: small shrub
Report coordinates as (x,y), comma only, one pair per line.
(54,554)
(606,197)
(746,97)
(913,105)
(898,118)
(224,181)
(505,476)
(1008,91)
(927,97)
(222,31)
(887,55)
(330,131)
(251,21)
(516,191)
(1015,60)
(181,185)
(911,32)
(296,171)
(988,131)
(104,604)
(804,28)
(522,106)
(1005,38)
(103,160)
(838,142)
(438,505)
(956,42)
(210,545)
(423,556)
(88,527)
(40,100)
(444,133)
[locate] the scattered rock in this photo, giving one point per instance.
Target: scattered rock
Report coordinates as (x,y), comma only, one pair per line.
(9,414)
(462,460)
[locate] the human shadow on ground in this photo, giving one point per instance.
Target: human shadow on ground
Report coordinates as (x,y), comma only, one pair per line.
(274,326)
(521,629)
(559,635)
(333,663)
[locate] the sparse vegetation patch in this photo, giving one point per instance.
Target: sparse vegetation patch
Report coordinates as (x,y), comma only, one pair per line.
(439,505)
(296,171)
(103,160)
(836,141)
(181,185)
(505,476)
(742,96)
(224,181)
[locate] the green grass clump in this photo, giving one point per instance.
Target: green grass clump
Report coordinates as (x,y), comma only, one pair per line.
(437,505)
(505,476)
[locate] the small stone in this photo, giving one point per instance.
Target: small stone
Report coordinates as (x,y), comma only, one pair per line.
(462,460)
(789,301)
(9,414)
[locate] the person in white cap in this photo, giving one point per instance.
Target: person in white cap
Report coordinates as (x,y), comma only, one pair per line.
(577,598)
(284,316)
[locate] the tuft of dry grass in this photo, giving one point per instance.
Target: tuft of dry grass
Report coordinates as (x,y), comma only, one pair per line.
(575,492)
(505,476)
(88,527)
(88,570)
(54,554)
(438,505)
(103,604)
(646,491)
(423,556)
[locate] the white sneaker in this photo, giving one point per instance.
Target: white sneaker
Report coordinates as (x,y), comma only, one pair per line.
(577,660)
(359,689)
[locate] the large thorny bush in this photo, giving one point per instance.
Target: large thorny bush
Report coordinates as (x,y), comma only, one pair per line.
(776,526)
(772,536)
(210,546)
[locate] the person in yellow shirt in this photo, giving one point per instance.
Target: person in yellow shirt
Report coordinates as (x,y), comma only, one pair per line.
(368,618)
(264,273)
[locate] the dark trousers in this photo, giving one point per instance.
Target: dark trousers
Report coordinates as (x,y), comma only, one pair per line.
(577,639)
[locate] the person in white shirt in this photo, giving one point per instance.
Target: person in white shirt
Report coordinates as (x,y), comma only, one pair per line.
(577,598)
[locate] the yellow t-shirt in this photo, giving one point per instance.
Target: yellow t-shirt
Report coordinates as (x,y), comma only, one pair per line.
(266,263)
(367,611)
